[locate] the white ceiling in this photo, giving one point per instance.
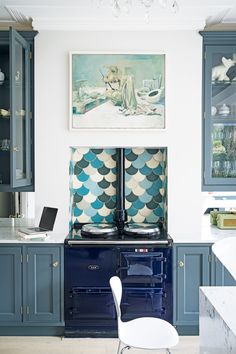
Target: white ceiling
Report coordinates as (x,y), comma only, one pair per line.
(86,15)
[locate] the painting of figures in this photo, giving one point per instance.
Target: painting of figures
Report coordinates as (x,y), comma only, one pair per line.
(117,91)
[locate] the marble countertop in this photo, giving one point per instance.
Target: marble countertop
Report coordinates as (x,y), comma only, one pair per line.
(9,228)
(222,299)
(206,233)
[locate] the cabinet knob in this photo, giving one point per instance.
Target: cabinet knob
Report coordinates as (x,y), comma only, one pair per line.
(181,264)
(16,149)
(55,264)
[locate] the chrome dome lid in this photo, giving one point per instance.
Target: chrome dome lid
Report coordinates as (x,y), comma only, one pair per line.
(141,228)
(99,229)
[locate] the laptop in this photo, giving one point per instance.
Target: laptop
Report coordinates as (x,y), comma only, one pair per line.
(46,223)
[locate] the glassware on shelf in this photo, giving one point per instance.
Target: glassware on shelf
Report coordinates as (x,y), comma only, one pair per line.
(2,77)
(224,110)
(5,145)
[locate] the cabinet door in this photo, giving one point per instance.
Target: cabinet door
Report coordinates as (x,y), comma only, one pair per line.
(43,290)
(11,284)
(193,271)
(20,110)
(220,117)
(220,275)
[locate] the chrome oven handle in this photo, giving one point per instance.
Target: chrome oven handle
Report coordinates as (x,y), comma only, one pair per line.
(121,268)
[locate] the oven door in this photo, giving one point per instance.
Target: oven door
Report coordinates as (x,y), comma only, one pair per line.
(91,303)
(143,302)
(142,269)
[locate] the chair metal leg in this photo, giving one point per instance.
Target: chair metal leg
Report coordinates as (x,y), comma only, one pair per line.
(118,350)
(168,351)
(123,349)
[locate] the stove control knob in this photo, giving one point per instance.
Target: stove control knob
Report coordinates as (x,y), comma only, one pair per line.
(181,264)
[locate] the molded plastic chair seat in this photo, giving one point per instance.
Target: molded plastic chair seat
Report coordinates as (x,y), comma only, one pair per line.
(143,332)
(148,333)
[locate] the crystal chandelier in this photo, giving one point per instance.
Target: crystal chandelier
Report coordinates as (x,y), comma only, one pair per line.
(124,6)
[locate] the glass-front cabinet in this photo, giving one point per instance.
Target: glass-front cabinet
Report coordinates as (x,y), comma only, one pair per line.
(219,111)
(16,111)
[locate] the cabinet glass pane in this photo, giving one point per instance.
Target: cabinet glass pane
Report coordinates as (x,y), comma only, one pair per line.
(4,116)
(20,106)
(223,88)
(224,150)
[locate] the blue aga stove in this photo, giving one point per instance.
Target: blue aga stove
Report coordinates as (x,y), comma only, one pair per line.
(139,253)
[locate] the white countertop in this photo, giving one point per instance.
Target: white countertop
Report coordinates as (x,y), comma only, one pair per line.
(222,299)
(9,228)
(206,234)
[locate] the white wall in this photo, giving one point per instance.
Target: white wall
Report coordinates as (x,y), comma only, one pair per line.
(183,116)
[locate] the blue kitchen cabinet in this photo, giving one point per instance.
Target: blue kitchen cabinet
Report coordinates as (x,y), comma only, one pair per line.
(17,111)
(218,111)
(220,275)
(10,284)
(31,293)
(191,270)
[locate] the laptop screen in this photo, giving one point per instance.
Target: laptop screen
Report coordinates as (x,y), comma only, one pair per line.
(48,218)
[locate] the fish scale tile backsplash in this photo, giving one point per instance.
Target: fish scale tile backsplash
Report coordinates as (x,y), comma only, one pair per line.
(93,184)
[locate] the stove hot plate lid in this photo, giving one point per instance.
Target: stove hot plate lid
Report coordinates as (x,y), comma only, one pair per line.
(99,229)
(141,229)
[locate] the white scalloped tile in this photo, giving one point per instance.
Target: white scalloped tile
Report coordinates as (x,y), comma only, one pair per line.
(158,156)
(139,176)
(90,198)
(75,182)
(96,177)
(110,191)
(138,151)
(132,183)
(152,163)
(90,170)
(83,205)
(104,211)
(110,163)
(138,190)
(127,163)
(111,177)
(138,217)
(145,211)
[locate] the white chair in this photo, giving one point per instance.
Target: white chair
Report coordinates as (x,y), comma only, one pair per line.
(143,332)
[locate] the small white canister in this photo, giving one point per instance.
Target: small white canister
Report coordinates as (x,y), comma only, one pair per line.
(2,77)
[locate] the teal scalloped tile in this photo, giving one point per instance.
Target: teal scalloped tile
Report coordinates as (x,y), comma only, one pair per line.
(131,197)
(89,156)
(83,177)
(77,212)
(83,163)
(145,198)
(90,211)
(110,204)
(145,184)
(104,184)
(131,170)
(97,218)
(145,170)
(152,176)
(130,156)
(97,151)
(104,197)
(96,163)
(83,191)
(137,204)
(132,211)
(103,170)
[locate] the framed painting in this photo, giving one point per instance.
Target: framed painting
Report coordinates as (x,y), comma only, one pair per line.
(117,91)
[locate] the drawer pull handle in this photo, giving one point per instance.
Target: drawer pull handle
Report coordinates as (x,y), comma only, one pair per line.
(181,264)
(55,264)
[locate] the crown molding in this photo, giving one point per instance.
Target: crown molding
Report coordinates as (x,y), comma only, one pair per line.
(18,16)
(69,24)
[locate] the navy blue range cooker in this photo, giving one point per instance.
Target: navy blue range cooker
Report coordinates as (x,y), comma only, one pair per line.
(140,254)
